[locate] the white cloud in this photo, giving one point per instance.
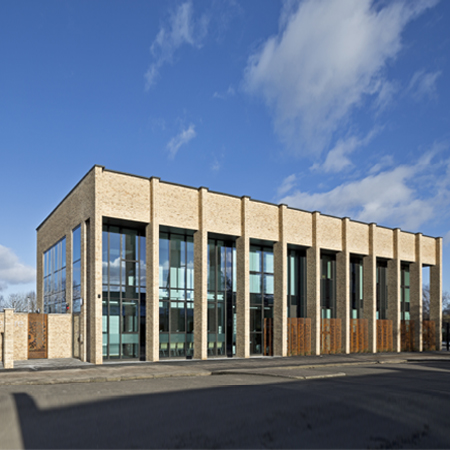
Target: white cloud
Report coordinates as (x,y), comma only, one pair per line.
(327,58)
(181,139)
(423,84)
(12,271)
(338,157)
(230,92)
(389,197)
(181,29)
(447,238)
(287,184)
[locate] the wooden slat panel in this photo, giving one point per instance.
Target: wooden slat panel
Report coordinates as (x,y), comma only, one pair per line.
(385,338)
(429,335)
(359,335)
(407,335)
(299,336)
(331,341)
(37,336)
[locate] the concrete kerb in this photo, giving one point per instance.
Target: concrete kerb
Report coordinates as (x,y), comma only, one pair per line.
(90,373)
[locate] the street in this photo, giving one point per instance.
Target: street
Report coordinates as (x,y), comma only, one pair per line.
(372,406)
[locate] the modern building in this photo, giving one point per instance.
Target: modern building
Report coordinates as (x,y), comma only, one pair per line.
(150,269)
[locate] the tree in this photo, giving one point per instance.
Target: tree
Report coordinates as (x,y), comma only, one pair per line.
(426,303)
(21,302)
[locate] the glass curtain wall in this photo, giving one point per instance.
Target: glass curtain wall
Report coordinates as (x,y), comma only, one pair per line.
(124,266)
(76,270)
(261,294)
(356,288)
(404,289)
(382,294)
(296,292)
(55,278)
(176,295)
(328,286)
(221,298)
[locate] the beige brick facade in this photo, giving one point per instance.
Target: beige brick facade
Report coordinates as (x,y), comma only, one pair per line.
(107,195)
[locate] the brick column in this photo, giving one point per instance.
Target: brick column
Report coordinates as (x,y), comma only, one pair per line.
(8,339)
(152,277)
(83,309)
(39,278)
(96,290)
(394,296)
(436,293)
(313,286)
(201,281)
(370,290)
(280,288)
(343,287)
(416,294)
(69,270)
(243,286)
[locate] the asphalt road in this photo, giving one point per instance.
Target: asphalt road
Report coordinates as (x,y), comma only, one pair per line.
(373,406)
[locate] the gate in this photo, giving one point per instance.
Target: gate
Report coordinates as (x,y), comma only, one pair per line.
(331,339)
(299,336)
(359,335)
(37,336)
(385,337)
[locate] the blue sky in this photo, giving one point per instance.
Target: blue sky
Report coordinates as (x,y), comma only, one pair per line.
(341,107)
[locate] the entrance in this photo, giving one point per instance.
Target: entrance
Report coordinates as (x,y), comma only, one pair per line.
(221,298)
(37,336)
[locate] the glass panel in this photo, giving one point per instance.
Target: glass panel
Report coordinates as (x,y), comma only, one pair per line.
(255,343)
(177,262)
(234,270)
(406,295)
(407,277)
(221,266)
(114,329)
(130,241)
(76,274)
(190,317)
(163,317)
(63,253)
(190,263)
(163,260)
(268,284)
(212,325)
(268,261)
(130,316)
(76,245)
(177,317)
(255,283)
(211,265)
(255,318)
(255,259)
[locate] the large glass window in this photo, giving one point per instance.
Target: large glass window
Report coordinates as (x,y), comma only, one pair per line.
(124,288)
(176,295)
(55,278)
(76,270)
(382,294)
(296,292)
(356,287)
(328,286)
(261,295)
(221,298)
(405,298)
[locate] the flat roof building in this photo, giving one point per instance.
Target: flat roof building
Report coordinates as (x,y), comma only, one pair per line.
(150,269)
